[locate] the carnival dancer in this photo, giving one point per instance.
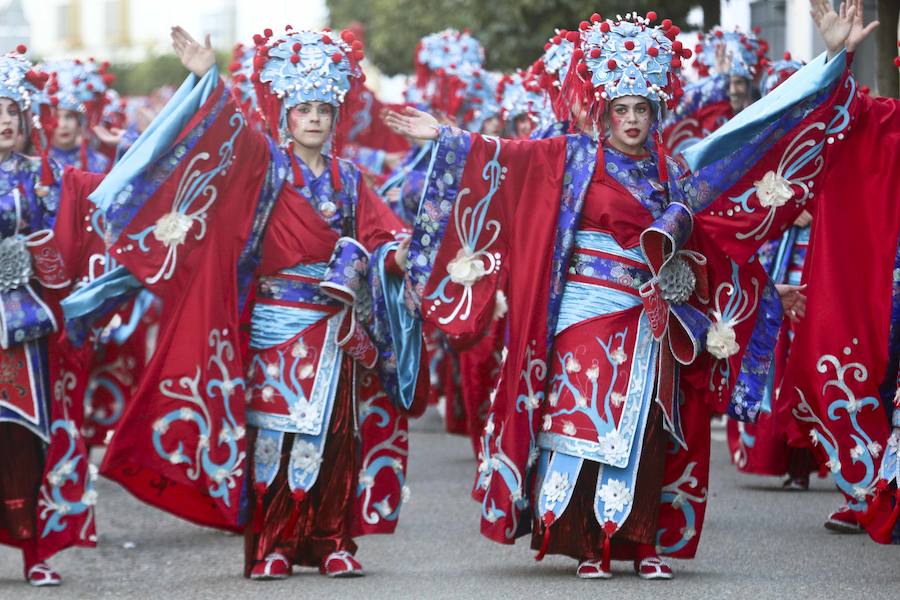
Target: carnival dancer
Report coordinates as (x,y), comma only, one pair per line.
(551,70)
(619,277)
(79,91)
(761,448)
(524,107)
(318,456)
(730,64)
(844,361)
(46,494)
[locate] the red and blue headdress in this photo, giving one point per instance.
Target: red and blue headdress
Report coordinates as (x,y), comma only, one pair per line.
(22,82)
(306,66)
(552,68)
(442,60)
(746,50)
(520,94)
(777,73)
(479,97)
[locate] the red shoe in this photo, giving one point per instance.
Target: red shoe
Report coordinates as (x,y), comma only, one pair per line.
(341,564)
(41,575)
(653,567)
(843,520)
(592,569)
(274,566)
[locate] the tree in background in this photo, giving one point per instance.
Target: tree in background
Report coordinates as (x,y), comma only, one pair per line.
(139,79)
(514,31)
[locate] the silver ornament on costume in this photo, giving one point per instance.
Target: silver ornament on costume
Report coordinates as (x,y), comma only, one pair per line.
(677,281)
(328,209)
(15,263)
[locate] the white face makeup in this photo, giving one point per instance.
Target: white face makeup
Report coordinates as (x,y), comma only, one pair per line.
(739,93)
(10,125)
(310,124)
(629,121)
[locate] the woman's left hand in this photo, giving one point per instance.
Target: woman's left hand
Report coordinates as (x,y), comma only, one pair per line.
(793,301)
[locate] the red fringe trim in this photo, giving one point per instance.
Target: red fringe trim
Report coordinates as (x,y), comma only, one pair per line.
(547,520)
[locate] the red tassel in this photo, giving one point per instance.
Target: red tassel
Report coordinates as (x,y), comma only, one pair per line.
(83,154)
(295,167)
(258,517)
(298,496)
(609,528)
(547,520)
(335,174)
(661,159)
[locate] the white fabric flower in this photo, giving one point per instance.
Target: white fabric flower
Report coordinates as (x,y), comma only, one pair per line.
(572,365)
(581,401)
(172,228)
(272,370)
(614,446)
(856,452)
(721,340)
(569,428)
(501,306)
(773,190)
(89,498)
(615,495)
(305,456)
(466,268)
(593,373)
(299,350)
(553,399)
(307,371)
(548,422)
(405,494)
(619,356)
(266,451)
(556,487)
(617,399)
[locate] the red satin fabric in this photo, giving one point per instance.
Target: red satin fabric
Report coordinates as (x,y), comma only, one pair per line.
(578,534)
(325,515)
(21,467)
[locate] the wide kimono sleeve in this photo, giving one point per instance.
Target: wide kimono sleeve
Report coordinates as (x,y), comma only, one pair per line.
(842,372)
(185,209)
(488,206)
(702,110)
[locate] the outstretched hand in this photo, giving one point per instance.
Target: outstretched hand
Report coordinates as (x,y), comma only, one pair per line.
(413,123)
(844,28)
(196,58)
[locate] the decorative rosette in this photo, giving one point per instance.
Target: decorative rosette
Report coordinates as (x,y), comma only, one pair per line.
(22,82)
(777,73)
(746,50)
(552,68)
(441,61)
(520,94)
(624,57)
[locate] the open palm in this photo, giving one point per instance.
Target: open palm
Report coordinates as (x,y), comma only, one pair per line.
(197,58)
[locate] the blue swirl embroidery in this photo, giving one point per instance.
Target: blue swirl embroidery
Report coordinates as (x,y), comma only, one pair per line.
(680,494)
(223,476)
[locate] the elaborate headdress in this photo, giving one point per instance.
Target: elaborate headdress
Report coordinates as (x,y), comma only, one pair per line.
(626,57)
(241,69)
(746,51)
(441,61)
(777,73)
(520,94)
(479,97)
(79,86)
(115,114)
(22,83)
(552,68)
(306,66)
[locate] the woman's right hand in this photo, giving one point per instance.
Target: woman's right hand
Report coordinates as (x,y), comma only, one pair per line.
(413,123)
(196,58)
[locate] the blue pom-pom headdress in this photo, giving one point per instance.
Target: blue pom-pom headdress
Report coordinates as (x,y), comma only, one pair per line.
(552,68)
(442,61)
(777,73)
(303,66)
(520,94)
(19,80)
(241,69)
(746,50)
(79,86)
(480,98)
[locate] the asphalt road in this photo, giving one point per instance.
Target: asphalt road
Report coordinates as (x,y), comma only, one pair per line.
(758,542)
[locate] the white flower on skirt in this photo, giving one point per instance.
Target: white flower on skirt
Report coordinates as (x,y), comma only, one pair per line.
(305,456)
(615,496)
(572,365)
(556,487)
(548,422)
(266,451)
(773,190)
(569,428)
(593,373)
(553,399)
(614,446)
(619,357)
(617,399)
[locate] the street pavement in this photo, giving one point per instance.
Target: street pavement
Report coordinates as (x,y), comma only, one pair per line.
(758,542)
